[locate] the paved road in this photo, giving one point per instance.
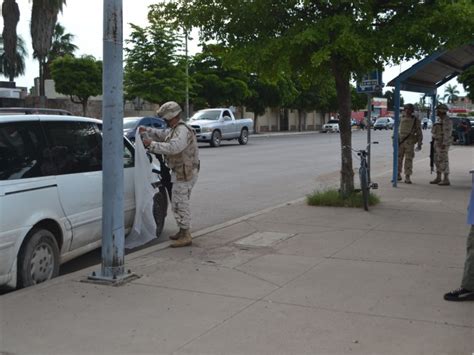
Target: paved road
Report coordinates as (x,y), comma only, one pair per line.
(238,180)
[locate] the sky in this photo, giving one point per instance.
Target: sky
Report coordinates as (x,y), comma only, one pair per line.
(84,19)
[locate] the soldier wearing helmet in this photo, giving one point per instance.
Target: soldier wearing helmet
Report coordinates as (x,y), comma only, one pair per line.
(179,146)
(409,134)
(441,133)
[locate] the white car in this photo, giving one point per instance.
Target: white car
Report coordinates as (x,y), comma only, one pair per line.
(331,126)
(51,194)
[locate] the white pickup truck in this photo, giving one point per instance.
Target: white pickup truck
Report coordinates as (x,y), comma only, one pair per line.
(216,124)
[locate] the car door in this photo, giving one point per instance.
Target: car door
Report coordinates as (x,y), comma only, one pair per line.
(228,125)
(76,149)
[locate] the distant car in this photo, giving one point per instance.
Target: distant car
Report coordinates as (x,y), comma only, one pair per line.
(130,125)
(331,126)
(383,123)
(353,122)
(456,121)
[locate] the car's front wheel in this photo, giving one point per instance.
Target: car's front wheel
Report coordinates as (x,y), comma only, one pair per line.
(215,139)
(38,260)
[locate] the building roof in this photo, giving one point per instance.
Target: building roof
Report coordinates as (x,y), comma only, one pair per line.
(435,70)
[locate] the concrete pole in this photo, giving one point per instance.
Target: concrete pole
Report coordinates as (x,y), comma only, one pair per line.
(113,238)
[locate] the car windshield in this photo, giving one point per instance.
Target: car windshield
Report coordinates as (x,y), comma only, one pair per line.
(130,123)
(381,120)
(208,115)
(333,121)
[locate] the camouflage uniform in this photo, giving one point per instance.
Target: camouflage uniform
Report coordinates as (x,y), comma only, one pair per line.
(410,133)
(442,135)
(179,145)
(182,156)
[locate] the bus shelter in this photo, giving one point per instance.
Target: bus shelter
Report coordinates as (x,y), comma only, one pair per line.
(425,77)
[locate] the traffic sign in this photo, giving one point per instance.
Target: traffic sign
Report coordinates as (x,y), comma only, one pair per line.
(370,83)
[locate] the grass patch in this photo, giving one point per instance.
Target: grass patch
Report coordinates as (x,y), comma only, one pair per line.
(334,199)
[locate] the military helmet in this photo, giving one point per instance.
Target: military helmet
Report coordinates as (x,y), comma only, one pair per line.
(410,107)
(442,107)
(169,110)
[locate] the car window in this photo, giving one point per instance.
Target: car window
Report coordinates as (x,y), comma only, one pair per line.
(226,115)
(75,147)
(130,123)
(21,151)
(145,121)
(156,123)
(128,155)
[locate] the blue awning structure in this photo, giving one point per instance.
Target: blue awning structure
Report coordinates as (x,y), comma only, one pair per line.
(425,77)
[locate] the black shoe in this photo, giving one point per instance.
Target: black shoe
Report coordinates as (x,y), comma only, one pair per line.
(461,294)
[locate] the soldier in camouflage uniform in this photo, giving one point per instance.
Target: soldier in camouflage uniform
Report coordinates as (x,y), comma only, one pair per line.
(179,146)
(410,133)
(441,133)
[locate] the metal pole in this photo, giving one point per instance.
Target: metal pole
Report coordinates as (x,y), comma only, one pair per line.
(369,125)
(396,109)
(113,238)
(187,74)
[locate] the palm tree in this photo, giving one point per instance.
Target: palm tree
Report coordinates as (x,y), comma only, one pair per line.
(61,45)
(451,93)
(19,64)
(44,15)
(11,16)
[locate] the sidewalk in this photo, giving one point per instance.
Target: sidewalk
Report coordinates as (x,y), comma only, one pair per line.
(293,279)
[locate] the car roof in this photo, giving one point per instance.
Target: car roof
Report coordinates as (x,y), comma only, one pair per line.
(45,118)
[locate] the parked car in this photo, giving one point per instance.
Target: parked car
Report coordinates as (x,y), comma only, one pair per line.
(331,126)
(130,125)
(51,194)
(217,124)
(383,123)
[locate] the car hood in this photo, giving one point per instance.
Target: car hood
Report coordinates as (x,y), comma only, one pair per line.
(202,122)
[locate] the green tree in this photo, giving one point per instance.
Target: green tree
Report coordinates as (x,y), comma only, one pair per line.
(344,38)
(21,54)
(79,78)
(44,15)
(390,96)
(216,84)
(467,81)
(61,46)
(451,93)
(11,16)
(154,70)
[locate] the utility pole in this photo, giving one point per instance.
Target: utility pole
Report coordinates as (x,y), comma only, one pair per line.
(113,237)
(187,73)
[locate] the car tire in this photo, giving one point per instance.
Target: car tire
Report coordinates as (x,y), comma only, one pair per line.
(215,139)
(38,260)
(244,136)
(160,210)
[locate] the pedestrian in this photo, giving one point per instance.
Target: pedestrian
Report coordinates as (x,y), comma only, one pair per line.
(466,291)
(179,146)
(462,130)
(409,134)
(441,133)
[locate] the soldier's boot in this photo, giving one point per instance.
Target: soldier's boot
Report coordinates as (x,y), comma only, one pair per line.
(177,235)
(437,180)
(445,181)
(184,240)
(407,179)
(399,177)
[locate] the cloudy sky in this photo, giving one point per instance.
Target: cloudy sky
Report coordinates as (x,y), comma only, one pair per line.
(84,19)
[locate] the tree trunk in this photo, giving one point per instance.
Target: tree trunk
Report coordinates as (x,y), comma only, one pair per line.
(84,107)
(11,16)
(343,90)
(255,120)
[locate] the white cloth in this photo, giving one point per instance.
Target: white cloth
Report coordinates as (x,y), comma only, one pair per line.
(144,225)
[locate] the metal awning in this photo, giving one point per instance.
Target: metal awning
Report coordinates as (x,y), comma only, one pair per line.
(435,70)
(425,77)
